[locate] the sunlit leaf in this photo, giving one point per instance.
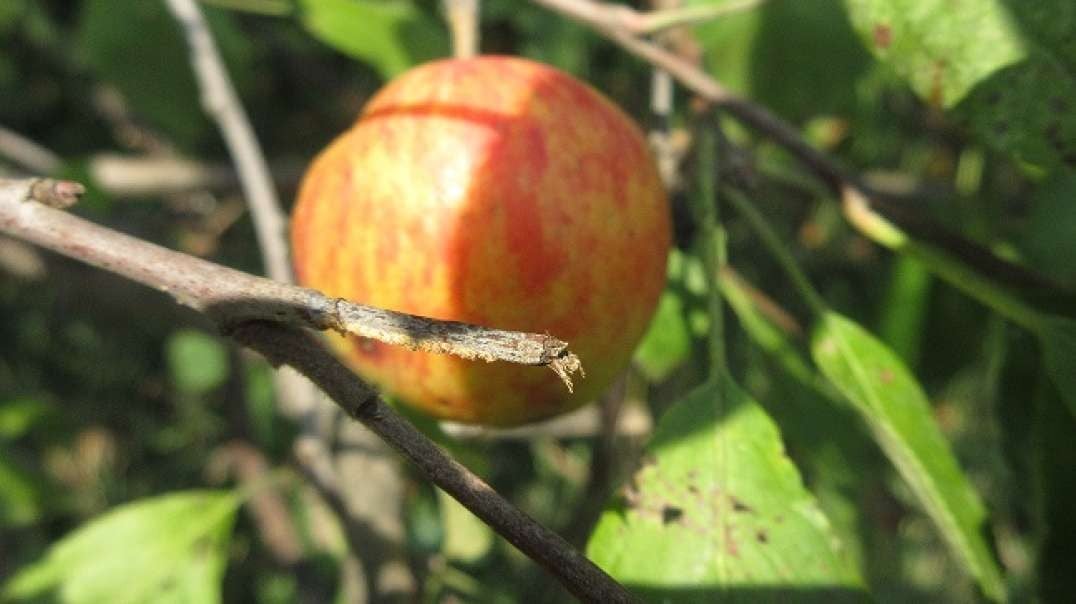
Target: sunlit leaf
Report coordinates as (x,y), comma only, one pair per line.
(667,343)
(168,548)
(942,48)
(893,404)
(466,538)
(390,36)
(717,510)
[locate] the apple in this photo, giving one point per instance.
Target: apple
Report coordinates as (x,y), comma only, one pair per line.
(495,191)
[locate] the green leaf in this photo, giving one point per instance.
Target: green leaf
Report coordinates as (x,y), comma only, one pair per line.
(466,538)
(895,408)
(18,415)
(667,342)
(718,510)
(1054,459)
(197,362)
(155,79)
(22,493)
(1048,242)
(833,449)
(904,308)
(390,36)
(168,548)
(1058,339)
(943,49)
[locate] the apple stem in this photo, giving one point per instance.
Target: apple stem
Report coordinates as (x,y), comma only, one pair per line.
(463,19)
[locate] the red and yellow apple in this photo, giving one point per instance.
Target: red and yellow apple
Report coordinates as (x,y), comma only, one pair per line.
(495,191)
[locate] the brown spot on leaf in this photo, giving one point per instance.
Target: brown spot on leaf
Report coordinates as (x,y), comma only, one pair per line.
(730,543)
(670,514)
(883,35)
(739,506)
(886,376)
(761,536)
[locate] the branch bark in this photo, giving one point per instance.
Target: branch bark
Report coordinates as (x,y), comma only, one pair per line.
(240,305)
(233,297)
(222,104)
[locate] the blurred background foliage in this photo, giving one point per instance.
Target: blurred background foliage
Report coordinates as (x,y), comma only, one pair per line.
(111,394)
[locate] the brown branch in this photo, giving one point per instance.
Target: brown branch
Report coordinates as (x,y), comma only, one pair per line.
(222,104)
(233,297)
(254,310)
(595,14)
(284,345)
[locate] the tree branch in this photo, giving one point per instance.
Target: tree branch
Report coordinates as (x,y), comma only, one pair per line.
(222,104)
(596,15)
(253,310)
(233,297)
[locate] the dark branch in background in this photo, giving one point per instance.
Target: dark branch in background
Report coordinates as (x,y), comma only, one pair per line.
(239,303)
(607,19)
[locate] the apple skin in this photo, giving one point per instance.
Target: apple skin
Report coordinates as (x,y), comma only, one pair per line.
(495,191)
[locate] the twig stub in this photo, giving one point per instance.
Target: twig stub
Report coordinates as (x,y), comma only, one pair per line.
(54,193)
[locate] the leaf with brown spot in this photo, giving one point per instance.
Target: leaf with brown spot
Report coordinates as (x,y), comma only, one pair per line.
(716,478)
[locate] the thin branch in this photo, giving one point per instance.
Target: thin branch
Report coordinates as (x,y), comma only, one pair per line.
(656,21)
(222,103)
(283,345)
(35,158)
(232,297)
(156,175)
(595,14)
(251,300)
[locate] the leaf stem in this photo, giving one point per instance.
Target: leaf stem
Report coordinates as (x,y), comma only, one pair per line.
(713,250)
(777,249)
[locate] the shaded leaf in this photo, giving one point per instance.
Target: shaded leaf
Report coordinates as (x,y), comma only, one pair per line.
(21,494)
(390,36)
(18,415)
(1048,242)
(1058,339)
(717,509)
(1054,460)
(166,548)
(896,409)
(761,53)
(154,77)
(197,362)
